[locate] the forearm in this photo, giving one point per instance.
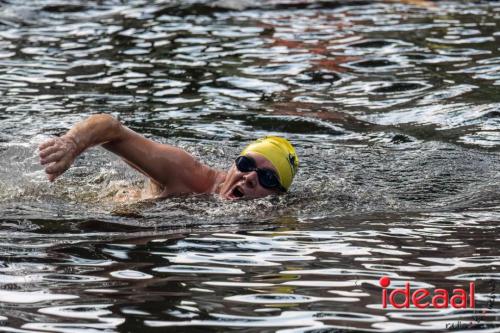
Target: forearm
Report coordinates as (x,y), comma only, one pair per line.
(165,165)
(95,130)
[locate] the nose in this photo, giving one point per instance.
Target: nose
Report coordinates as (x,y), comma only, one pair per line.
(251,179)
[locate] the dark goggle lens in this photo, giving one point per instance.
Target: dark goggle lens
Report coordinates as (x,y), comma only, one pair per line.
(245,164)
(268,178)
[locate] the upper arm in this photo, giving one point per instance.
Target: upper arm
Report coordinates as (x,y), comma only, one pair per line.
(166,165)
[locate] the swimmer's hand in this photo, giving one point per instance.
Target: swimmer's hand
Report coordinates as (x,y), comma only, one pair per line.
(57,155)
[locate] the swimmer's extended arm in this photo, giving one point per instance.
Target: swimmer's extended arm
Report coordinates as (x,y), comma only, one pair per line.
(166,165)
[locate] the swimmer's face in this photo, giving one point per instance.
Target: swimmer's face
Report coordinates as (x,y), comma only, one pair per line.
(245,185)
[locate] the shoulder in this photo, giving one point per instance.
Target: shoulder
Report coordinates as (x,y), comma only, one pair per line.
(204,179)
(196,178)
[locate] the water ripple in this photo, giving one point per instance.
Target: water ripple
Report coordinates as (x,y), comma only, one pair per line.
(392,106)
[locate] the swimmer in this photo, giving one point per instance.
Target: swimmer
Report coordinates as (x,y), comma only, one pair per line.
(266,166)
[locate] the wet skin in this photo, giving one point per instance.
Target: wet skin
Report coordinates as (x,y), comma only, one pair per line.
(172,170)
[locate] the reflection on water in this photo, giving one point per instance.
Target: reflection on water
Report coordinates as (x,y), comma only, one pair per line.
(318,276)
(393,107)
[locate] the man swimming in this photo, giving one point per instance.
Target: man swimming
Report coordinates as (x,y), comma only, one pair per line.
(266,166)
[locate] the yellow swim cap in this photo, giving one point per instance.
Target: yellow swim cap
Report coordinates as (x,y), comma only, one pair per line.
(280,153)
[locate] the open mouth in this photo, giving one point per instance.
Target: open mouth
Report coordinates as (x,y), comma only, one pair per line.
(237,192)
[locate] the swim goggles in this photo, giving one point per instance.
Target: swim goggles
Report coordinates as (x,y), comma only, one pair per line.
(267,177)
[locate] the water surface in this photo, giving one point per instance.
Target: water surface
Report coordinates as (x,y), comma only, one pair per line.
(394,110)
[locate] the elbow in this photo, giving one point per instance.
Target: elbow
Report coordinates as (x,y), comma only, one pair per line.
(103,118)
(109,125)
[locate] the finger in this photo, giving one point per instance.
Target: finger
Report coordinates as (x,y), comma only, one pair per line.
(59,166)
(48,151)
(53,176)
(52,158)
(46,144)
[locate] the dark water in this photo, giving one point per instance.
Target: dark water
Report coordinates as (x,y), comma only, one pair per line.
(394,108)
